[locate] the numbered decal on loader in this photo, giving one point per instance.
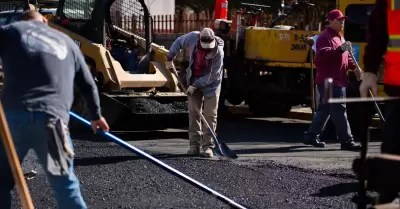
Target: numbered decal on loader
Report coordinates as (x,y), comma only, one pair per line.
(284,37)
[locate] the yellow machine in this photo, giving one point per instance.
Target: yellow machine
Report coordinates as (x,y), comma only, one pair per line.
(268,66)
(115,37)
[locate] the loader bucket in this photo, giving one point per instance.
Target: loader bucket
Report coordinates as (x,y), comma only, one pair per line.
(145,112)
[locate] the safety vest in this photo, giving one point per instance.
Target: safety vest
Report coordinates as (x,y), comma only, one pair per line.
(392,57)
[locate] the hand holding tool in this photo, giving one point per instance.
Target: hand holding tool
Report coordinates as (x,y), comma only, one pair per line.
(191,89)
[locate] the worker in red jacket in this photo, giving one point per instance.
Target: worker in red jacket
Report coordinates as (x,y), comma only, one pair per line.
(333,61)
(384,23)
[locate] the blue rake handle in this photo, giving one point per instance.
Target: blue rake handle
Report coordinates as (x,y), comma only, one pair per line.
(161,164)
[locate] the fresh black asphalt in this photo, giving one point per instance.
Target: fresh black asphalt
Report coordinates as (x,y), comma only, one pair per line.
(112,177)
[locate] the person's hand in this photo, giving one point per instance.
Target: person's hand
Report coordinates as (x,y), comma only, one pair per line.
(346,46)
(191,89)
(169,65)
(369,82)
(100,124)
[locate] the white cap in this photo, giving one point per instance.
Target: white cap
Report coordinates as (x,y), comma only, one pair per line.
(207,34)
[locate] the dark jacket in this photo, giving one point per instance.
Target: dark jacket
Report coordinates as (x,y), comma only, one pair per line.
(378,39)
(41,65)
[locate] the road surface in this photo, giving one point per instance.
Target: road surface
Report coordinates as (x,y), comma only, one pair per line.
(274,170)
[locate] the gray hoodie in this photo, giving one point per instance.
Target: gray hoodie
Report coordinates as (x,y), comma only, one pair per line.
(210,83)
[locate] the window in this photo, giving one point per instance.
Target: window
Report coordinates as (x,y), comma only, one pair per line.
(355,28)
(7,18)
(3,20)
(78,9)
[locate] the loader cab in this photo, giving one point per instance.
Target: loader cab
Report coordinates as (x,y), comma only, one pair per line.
(82,17)
(96,19)
(10,16)
(99,20)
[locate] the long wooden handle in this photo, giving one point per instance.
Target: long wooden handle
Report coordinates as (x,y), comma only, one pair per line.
(313,98)
(15,165)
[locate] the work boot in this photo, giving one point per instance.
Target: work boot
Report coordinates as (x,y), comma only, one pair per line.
(314,141)
(193,150)
(350,146)
(207,153)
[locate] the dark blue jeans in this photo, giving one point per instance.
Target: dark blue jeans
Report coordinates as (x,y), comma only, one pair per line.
(337,112)
(29,130)
(391,133)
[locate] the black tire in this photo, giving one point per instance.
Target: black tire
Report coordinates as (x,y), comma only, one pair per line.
(235,89)
(235,96)
(222,108)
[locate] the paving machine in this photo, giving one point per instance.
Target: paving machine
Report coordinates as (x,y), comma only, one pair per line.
(136,90)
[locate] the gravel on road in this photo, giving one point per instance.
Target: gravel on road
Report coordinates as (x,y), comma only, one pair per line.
(112,177)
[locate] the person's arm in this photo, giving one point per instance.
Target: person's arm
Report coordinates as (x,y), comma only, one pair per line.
(214,74)
(86,85)
(180,43)
(378,38)
(325,50)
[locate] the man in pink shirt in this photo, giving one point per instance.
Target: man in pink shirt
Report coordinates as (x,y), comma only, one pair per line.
(333,61)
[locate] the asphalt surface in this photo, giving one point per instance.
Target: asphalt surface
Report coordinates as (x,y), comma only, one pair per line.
(112,177)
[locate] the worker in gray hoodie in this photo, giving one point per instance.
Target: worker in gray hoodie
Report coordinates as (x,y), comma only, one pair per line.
(203,79)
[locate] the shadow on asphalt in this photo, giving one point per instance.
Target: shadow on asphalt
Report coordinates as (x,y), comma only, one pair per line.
(130,136)
(255,130)
(337,190)
(281,150)
(90,161)
(152,135)
(235,130)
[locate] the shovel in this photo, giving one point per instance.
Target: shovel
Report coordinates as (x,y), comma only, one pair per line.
(221,150)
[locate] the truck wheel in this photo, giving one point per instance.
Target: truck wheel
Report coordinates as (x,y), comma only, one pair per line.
(222,108)
(235,97)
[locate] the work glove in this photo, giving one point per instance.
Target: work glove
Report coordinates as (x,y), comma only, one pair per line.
(346,46)
(169,65)
(190,90)
(369,82)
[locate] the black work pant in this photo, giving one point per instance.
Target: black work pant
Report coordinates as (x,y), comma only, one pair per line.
(391,130)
